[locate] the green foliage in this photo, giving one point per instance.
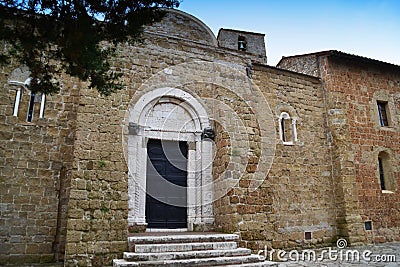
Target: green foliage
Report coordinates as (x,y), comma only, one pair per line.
(105,209)
(44,33)
(102,163)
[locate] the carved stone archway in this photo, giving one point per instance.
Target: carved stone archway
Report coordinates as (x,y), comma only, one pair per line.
(175,115)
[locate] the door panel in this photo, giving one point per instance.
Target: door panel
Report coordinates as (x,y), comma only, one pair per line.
(166,197)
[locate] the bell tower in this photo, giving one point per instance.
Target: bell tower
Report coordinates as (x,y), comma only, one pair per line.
(248,42)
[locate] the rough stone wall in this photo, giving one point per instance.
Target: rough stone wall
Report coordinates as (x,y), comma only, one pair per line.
(351,92)
(298,193)
(237,156)
(97,226)
(97,216)
(269,192)
(98,205)
(349,222)
(183,26)
(35,166)
(307,64)
(365,85)
(276,214)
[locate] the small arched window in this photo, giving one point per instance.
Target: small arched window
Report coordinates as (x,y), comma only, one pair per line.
(25,100)
(385,172)
(287,129)
(30,105)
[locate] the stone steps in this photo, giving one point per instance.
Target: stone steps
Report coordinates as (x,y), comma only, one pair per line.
(256,264)
(194,249)
(182,238)
(129,256)
(179,247)
(216,261)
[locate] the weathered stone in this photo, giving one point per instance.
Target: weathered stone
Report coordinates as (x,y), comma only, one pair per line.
(64,178)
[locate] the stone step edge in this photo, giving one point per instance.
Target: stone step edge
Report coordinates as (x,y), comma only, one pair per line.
(218,261)
(131,256)
(182,238)
(181,247)
(256,264)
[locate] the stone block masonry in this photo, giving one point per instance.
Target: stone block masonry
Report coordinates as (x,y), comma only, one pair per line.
(353,87)
(97,216)
(297,195)
(98,196)
(366,85)
(295,161)
(35,168)
(98,207)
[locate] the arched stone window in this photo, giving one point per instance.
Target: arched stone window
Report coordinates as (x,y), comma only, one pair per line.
(385,172)
(287,120)
(20,79)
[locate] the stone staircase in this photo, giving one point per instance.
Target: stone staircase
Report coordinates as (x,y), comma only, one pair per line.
(188,249)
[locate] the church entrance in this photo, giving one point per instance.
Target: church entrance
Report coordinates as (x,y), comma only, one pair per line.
(166,197)
(170,183)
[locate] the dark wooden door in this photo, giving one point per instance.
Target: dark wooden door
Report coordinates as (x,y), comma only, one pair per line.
(166,196)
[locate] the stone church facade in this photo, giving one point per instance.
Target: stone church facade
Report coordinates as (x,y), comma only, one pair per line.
(291,156)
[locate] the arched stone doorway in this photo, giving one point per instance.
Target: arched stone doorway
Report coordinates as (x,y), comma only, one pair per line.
(171,114)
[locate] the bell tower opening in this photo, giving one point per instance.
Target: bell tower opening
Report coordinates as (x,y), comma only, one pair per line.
(242,43)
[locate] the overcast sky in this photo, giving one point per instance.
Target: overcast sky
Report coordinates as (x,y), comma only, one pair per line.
(367,28)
